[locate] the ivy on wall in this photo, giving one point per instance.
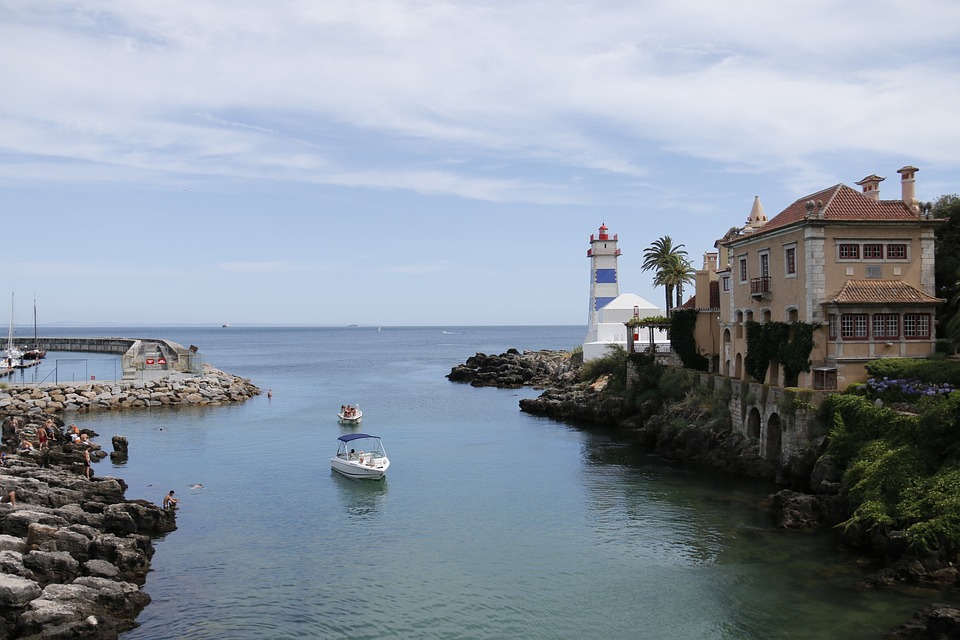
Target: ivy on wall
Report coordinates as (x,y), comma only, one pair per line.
(789,344)
(682,324)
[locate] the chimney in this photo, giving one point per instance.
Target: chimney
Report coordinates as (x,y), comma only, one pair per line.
(871,186)
(710,261)
(908,187)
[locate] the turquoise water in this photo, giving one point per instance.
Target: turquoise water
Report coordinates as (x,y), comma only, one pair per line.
(491,523)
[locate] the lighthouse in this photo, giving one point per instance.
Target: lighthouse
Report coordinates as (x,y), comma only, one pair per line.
(604,285)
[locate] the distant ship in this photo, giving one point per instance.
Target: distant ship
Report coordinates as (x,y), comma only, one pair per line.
(226,324)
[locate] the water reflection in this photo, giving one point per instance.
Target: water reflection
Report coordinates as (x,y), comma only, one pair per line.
(362,499)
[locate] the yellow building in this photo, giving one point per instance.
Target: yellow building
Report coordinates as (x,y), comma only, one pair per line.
(858,267)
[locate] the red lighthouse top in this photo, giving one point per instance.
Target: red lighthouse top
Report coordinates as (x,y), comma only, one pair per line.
(603,232)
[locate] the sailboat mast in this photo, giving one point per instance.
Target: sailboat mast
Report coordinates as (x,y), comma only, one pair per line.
(10,335)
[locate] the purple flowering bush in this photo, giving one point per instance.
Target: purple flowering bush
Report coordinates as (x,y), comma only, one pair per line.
(905,389)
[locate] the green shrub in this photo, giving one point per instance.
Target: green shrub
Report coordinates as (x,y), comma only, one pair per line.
(932,371)
(903,470)
(613,365)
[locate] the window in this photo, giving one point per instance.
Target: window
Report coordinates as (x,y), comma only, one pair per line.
(834,326)
(764,265)
(849,252)
(853,326)
(886,325)
(726,283)
(873,252)
(916,325)
(825,379)
(743,270)
(790,260)
(896,252)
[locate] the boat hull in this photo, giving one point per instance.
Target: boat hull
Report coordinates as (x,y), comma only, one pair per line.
(357,418)
(377,470)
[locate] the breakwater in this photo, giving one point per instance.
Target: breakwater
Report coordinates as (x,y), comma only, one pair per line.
(210,388)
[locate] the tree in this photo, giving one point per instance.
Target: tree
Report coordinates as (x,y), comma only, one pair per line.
(677,272)
(947,208)
(660,257)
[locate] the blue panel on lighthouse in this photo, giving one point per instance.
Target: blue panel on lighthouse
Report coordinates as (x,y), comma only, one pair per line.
(599,303)
(605,276)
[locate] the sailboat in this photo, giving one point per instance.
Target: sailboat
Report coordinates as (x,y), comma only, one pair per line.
(13,357)
(34,352)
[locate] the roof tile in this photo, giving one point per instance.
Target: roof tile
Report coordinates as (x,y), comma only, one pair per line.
(880,292)
(841,203)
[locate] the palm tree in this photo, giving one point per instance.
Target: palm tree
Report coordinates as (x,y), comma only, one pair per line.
(658,258)
(677,272)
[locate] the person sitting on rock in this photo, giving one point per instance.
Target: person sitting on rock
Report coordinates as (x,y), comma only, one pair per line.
(169,502)
(10,498)
(26,446)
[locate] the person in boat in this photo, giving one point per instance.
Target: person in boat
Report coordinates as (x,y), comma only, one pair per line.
(169,502)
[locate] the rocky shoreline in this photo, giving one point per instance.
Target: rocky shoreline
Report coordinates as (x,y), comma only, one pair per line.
(811,497)
(74,552)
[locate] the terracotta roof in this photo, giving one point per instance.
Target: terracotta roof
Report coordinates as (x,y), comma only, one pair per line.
(689,304)
(841,203)
(880,292)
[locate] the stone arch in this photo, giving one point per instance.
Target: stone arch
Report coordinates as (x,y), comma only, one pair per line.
(793,314)
(739,324)
(726,367)
(765,315)
(753,423)
(774,438)
(738,368)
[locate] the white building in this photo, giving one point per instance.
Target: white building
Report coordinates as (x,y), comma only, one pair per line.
(609,310)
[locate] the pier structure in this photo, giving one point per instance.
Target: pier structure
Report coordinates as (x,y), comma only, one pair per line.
(137,355)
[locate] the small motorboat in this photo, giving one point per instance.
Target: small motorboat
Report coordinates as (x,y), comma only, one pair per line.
(360,455)
(350,414)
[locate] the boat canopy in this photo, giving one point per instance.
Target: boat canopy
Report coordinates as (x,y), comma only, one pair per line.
(355,436)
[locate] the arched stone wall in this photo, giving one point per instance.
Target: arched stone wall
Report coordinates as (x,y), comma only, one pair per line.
(753,423)
(774,438)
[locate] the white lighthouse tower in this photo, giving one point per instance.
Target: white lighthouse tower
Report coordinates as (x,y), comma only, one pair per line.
(604,284)
(610,309)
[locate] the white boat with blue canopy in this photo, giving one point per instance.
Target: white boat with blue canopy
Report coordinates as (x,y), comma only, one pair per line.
(360,455)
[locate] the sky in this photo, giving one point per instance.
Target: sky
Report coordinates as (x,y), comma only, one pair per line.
(411,162)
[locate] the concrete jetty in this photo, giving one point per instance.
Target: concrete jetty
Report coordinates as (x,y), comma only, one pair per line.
(137,355)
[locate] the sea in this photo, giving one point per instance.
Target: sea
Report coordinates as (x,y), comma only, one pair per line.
(491,523)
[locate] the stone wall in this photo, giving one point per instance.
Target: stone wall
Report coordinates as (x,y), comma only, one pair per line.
(783,420)
(212,388)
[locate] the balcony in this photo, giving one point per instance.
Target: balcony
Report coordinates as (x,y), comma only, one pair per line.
(760,288)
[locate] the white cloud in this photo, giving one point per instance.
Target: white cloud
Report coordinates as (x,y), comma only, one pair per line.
(291,90)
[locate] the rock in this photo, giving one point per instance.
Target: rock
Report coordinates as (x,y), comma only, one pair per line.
(17,592)
(72,550)
(512,369)
(936,622)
